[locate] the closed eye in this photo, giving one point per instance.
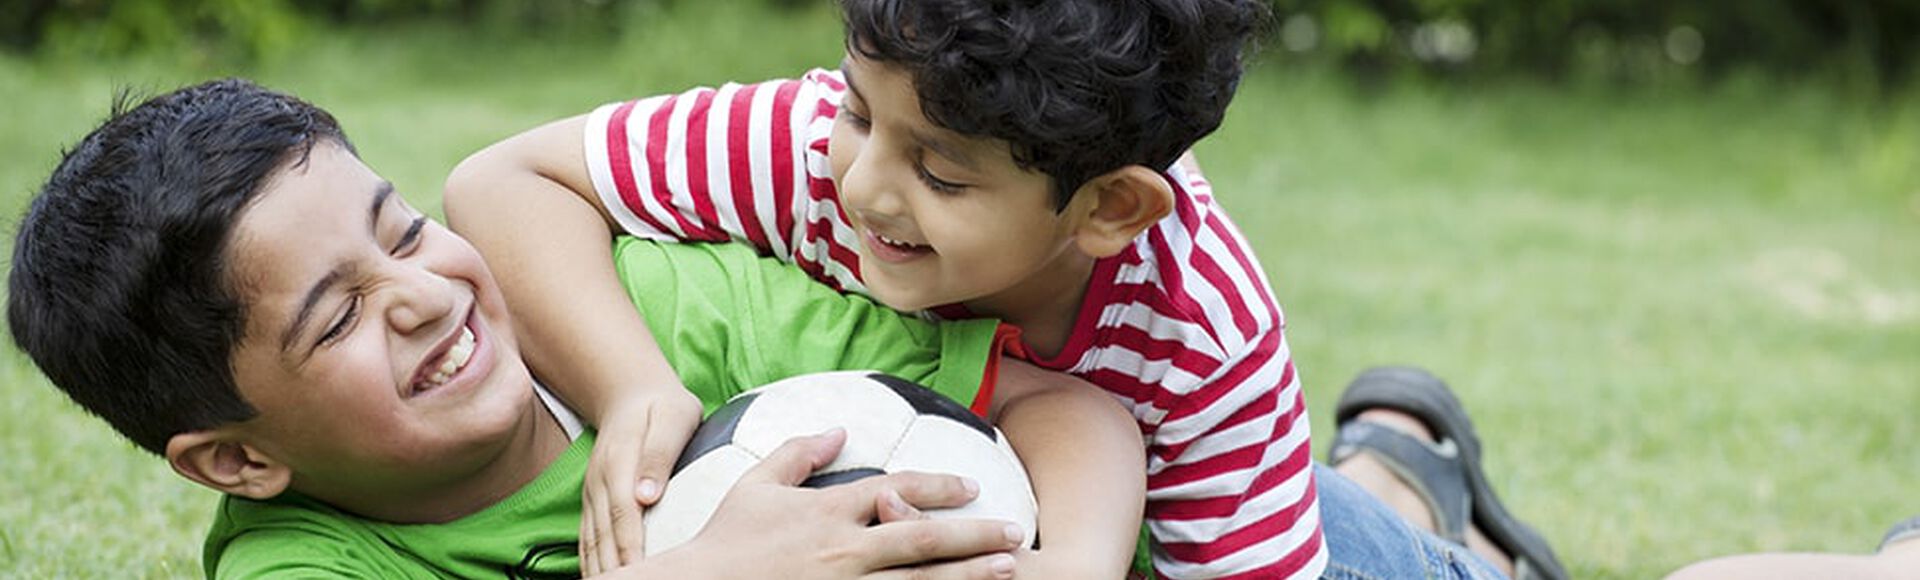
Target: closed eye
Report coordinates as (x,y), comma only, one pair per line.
(937,184)
(411,237)
(859,121)
(345,322)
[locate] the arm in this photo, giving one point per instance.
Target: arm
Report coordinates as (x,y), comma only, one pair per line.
(542,206)
(550,249)
(527,204)
(1084,456)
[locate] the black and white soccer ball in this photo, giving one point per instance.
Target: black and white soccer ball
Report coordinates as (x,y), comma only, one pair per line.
(892,425)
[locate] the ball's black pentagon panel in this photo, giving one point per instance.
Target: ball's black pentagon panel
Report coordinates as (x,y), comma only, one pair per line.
(716,430)
(927,402)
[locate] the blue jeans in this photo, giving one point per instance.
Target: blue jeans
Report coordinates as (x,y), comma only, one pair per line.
(1366,540)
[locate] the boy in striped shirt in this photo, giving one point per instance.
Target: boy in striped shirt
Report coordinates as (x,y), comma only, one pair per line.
(1017,160)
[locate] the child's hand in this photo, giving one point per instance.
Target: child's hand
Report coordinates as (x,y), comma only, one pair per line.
(826,533)
(640,437)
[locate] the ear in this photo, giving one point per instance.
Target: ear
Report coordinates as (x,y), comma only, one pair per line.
(216,459)
(1116,206)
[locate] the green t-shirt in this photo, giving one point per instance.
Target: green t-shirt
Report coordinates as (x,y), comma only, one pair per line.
(727,320)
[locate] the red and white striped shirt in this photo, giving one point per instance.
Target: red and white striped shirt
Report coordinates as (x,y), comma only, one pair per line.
(1180,326)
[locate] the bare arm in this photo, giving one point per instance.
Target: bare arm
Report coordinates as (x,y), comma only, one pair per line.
(528,205)
(1088,465)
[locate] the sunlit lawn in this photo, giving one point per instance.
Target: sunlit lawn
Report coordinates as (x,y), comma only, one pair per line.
(1687,319)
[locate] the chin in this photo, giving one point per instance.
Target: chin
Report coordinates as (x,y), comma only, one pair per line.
(899,300)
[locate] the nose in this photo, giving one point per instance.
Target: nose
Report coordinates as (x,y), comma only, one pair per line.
(869,188)
(418,300)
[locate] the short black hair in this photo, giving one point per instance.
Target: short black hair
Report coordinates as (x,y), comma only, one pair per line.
(120,289)
(1077,87)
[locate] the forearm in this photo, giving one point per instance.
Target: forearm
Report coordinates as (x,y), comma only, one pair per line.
(551,251)
(1084,456)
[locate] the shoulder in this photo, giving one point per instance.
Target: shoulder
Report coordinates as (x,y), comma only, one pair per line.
(253,539)
(1195,274)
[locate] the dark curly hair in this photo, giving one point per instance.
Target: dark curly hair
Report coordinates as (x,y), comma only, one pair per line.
(1077,87)
(119,287)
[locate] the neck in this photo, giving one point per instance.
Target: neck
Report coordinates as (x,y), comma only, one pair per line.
(1046,305)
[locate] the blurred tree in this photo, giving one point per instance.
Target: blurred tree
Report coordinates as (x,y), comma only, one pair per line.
(1869,41)
(249,27)
(1873,40)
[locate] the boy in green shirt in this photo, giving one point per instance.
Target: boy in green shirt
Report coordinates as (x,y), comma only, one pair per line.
(216,274)
(736,321)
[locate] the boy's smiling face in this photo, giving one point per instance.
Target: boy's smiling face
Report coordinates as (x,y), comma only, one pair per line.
(944,218)
(377,348)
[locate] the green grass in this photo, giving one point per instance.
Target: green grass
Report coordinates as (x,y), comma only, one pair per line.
(1687,319)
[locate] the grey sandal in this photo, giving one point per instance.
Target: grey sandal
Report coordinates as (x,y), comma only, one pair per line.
(1903,531)
(1447,473)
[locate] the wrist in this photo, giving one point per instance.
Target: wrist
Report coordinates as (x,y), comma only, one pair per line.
(636,397)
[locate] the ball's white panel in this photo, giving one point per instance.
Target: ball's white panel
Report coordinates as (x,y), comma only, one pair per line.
(692,495)
(875,418)
(938,445)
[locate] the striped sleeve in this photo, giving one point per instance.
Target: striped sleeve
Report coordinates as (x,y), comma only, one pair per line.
(1195,338)
(1230,490)
(706,164)
(746,163)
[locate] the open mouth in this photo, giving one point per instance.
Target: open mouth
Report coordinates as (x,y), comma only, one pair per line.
(892,250)
(448,362)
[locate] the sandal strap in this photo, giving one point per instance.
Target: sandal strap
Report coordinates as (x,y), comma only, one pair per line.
(1418,393)
(1908,529)
(1432,470)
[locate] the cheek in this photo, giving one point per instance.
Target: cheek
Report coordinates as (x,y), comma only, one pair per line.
(360,367)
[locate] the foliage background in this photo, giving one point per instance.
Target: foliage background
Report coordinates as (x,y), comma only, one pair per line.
(1679,295)
(1870,42)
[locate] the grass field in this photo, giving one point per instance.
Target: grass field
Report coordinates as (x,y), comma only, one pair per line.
(1687,319)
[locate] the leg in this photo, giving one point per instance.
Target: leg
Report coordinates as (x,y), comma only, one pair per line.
(1373,476)
(1405,439)
(1367,540)
(1898,559)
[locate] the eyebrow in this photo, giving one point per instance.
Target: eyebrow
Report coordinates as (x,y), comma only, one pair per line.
(381,192)
(939,146)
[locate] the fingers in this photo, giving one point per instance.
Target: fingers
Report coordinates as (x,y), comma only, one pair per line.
(589,563)
(931,490)
(669,425)
(626,539)
(596,544)
(607,494)
(909,542)
(892,508)
(989,567)
(793,461)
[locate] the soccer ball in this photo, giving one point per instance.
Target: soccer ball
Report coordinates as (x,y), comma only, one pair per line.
(892,425)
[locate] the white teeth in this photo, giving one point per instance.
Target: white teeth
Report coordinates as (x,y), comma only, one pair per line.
(894,241)
(457,357)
